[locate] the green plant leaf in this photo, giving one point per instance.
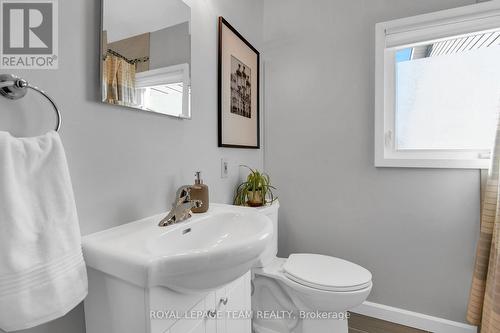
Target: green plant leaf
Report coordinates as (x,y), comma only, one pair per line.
(256,181)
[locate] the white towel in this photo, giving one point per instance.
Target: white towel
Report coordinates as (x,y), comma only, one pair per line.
(42,272)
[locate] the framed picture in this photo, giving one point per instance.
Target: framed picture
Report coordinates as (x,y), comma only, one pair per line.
(239,99)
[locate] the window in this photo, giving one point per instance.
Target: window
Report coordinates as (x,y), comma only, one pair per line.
(438,88)
(165,90)
(162,98)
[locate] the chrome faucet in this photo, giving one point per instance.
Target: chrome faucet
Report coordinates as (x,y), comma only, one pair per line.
(181,208)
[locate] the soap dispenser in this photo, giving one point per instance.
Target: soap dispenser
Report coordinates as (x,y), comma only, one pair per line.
(199,191)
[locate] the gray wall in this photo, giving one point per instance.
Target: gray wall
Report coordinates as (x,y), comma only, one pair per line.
(414,229)
(170,46)
(126,164)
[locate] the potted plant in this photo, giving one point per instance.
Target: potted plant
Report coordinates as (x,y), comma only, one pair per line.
(256,190)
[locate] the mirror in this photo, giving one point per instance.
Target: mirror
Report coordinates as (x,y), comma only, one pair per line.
(146,55)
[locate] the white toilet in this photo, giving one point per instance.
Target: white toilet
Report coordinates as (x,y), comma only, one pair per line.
(306,293)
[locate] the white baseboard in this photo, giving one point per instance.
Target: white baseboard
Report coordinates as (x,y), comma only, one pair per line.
(413,319)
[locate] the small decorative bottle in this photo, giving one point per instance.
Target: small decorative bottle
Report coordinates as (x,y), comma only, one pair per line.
(199,191)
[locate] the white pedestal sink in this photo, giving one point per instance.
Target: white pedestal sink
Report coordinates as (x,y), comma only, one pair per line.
(201,254)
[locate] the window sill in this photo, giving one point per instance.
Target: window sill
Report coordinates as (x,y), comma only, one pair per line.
(435,163)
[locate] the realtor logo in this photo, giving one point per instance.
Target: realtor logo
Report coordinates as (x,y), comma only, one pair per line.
(29,34)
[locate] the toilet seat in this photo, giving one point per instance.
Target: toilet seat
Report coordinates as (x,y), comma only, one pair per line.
(326,273)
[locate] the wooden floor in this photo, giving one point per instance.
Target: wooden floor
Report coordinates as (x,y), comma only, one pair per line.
(363,324)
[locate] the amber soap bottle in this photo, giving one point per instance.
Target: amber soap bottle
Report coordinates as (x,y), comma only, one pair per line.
(199,191)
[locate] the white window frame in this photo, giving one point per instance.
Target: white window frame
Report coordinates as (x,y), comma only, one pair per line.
(411,31)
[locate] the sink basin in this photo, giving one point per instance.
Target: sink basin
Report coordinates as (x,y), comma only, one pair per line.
(200,254)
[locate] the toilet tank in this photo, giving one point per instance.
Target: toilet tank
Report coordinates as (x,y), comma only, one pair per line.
(271,251)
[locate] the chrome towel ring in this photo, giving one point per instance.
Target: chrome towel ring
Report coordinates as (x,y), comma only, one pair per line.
(13,87)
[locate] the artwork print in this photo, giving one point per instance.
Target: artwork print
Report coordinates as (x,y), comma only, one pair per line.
(241,88)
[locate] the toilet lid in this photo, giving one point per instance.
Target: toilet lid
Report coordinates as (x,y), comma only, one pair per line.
(326,273)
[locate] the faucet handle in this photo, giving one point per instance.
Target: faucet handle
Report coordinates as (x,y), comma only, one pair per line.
(196,203)
(182,195)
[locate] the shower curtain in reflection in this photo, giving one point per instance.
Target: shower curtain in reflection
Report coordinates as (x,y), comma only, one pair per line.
(118,81)
(484,298)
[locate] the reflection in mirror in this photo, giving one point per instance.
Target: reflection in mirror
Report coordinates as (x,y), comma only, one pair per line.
(146,55)
(448,84)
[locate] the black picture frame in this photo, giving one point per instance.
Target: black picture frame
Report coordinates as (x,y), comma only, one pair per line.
(221,24)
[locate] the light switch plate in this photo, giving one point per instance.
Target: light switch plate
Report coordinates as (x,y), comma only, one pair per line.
(224,168)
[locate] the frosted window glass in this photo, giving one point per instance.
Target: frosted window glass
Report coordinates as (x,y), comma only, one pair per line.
(448,101)
(164,99)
